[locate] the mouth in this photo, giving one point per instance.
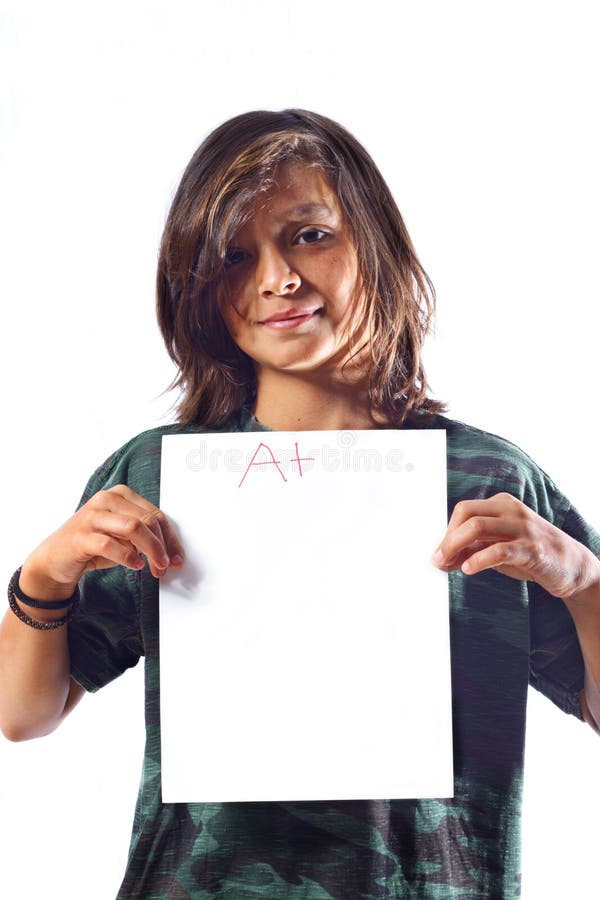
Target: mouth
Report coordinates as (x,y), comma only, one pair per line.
(291,318)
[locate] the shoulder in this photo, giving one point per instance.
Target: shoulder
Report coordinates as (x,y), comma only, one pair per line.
(137,462)
(481,463)
(468,439)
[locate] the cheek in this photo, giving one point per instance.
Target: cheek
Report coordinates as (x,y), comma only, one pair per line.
(232,321)
(236,306)
(239,330)
(229,306)
(343,271)
(345,288)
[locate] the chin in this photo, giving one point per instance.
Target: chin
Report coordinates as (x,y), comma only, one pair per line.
(292,365)
(294,360)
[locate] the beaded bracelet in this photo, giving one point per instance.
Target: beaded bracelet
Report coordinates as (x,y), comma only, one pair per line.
(14,591)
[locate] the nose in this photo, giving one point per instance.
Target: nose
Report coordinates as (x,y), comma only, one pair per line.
(274,276)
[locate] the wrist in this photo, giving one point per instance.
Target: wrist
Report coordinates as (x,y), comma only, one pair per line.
(51,614)
(39,615)
(36,583)
(585,602)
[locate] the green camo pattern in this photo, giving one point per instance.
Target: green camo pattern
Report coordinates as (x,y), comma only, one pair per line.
(504,634)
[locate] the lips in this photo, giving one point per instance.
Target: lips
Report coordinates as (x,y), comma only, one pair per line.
(291,313)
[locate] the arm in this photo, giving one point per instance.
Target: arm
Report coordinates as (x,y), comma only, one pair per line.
(504,534)
(36,688)
(113,528)
(585,612)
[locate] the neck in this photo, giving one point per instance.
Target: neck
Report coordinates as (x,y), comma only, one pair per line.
(286,402)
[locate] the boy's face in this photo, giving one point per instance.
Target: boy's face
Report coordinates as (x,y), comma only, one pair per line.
(291,273)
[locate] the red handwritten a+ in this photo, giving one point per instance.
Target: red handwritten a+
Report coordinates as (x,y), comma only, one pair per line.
(275,462)
(266,462)
(300,459)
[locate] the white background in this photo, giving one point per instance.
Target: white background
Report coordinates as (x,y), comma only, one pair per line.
(483,119)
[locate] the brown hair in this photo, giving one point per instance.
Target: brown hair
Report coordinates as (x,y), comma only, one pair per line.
(238,160)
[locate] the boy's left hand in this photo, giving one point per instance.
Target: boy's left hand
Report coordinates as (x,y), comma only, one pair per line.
(502,533)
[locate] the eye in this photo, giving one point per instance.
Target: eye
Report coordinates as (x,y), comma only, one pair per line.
(312,236)
(234,256)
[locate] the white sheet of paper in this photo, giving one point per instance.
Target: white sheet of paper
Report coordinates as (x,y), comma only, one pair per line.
(304,646)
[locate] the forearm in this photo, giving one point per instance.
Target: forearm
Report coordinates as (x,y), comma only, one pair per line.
(585,611)
(115,527)
(34,666)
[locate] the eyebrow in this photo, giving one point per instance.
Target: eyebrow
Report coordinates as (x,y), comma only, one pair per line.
(310,209)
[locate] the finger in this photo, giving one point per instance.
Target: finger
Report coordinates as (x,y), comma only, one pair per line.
(134,531)
(122,500)
(498,505)
(123,490)
(510,556)
(104,551)
(170,539)
(172,543)
(478,530)
(449,565)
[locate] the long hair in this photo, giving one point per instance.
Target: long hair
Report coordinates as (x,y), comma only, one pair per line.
(236,162)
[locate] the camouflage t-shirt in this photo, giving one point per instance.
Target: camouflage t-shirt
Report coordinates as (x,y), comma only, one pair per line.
(505,634)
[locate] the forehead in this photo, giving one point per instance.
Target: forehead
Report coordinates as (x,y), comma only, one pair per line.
(298,190)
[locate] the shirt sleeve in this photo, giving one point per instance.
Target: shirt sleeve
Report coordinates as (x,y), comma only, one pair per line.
(105,636)
(556,667)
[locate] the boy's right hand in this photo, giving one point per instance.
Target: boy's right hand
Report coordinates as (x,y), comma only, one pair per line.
(113,528)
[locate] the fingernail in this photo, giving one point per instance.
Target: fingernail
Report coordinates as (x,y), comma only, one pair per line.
(438,555)
(176,560)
